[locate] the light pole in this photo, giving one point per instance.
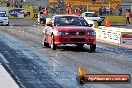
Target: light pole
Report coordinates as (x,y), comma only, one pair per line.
(43,3)
(87,7)
(33,2)
(109,7)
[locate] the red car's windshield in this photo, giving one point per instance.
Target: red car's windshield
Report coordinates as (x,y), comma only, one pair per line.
(70,20)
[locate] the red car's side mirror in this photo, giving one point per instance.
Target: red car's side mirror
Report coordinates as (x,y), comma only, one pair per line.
(90,25)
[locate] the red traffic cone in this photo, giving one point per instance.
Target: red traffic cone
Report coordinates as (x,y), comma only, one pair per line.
(107,22)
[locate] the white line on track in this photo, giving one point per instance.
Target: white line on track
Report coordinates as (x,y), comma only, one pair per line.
(3,59)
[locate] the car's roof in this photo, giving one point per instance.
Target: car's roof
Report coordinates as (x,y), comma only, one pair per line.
(89,12)
(66,15)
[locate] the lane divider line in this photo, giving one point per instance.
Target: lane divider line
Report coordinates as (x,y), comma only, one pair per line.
(8,69)
(3,59)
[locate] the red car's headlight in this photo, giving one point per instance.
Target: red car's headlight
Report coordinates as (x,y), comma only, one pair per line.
(63,33)
(60,33)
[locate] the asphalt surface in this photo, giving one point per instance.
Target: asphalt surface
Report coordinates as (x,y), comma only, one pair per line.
(38,67)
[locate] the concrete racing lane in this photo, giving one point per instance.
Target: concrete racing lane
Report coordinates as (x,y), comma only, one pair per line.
(38,67)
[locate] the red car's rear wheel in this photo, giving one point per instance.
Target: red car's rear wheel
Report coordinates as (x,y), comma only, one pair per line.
(53,46)
(45,44)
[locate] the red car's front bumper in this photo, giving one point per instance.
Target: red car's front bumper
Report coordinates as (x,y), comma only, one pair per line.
(85,39)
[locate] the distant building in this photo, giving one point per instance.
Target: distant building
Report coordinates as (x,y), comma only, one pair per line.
(126,4)
(43,3)
(91,5)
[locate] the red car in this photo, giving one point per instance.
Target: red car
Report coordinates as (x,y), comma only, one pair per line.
(65,29)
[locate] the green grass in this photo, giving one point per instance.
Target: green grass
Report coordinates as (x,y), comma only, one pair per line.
(117,19)
(3,3)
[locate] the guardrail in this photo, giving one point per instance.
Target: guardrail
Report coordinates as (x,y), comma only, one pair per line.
(115,35)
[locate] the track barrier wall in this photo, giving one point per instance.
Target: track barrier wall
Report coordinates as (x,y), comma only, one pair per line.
(115,35)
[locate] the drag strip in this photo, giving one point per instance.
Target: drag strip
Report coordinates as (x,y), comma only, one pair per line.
(36,66)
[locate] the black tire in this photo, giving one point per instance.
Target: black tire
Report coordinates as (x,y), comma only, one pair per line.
(93,47)
(81,80)
(7,24)
(80,45)
(99,23)
(45,44)
(53,46)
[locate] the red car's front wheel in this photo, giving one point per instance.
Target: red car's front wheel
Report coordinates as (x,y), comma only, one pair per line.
(93,47)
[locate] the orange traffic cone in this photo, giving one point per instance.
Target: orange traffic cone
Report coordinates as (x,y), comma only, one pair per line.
(107,22)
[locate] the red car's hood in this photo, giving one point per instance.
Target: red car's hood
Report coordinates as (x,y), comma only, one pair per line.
(73,28)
